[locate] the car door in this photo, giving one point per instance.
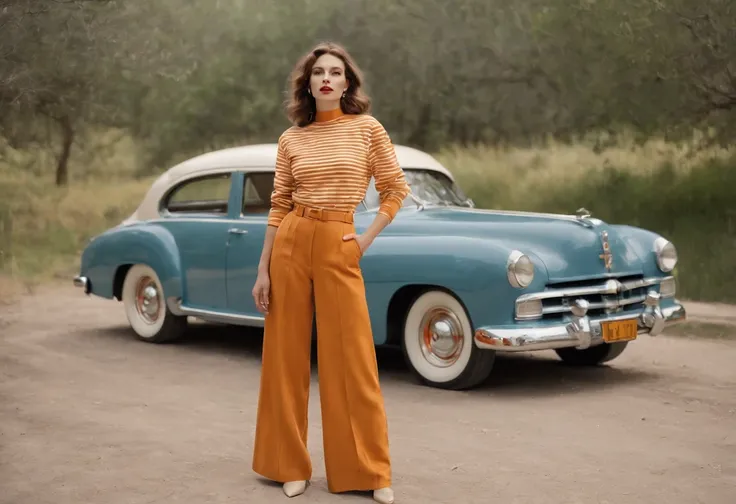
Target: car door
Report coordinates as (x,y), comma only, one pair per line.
(245,240)
(197,214)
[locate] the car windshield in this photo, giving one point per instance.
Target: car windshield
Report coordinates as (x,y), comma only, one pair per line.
(429,186)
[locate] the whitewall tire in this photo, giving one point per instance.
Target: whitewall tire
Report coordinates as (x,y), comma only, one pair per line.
(437,342)
(145,307)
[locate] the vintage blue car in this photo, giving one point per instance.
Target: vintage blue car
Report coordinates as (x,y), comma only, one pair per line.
(449,283)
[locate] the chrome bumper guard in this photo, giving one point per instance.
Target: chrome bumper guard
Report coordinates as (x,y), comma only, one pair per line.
(582,332)
(82,282)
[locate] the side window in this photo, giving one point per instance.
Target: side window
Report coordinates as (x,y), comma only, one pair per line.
(203,195)
(257,190)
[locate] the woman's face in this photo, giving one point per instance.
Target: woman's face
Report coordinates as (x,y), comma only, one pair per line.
(328,81)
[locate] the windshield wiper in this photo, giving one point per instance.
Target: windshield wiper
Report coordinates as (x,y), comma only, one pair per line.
(421,204)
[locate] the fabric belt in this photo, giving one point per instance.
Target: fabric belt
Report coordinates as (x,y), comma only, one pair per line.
(323,214)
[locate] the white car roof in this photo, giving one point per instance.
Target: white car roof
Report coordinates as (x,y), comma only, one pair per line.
(263,156)
(258,157)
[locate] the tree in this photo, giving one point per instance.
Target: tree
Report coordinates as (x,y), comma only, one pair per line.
(53,66)
(654,64)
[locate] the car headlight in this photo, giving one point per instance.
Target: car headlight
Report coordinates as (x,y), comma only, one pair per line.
(519,269)
(666,254)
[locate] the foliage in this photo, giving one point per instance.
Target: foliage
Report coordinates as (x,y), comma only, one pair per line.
(183,77)
(658,65)
(532,90)
(53,54)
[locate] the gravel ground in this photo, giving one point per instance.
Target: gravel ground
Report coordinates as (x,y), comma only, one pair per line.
(88,414)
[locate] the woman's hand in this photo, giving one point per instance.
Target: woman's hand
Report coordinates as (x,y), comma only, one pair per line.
(261,291)
(363,241)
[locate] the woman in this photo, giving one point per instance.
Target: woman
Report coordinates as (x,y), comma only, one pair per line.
(310,260)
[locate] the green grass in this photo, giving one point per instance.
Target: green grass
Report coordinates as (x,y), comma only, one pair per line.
(677,190)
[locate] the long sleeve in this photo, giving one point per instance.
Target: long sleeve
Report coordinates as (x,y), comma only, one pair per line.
(390,181)
(283,187)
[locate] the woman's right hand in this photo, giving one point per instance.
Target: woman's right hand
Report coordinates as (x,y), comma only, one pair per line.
(261,291)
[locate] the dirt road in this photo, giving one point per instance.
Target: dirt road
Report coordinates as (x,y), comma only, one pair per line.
(90,415)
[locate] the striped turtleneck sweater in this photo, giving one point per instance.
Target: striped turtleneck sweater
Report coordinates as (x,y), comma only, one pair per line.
(329,164)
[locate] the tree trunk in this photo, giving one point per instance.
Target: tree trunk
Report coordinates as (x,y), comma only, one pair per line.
(62,168)
(6,235)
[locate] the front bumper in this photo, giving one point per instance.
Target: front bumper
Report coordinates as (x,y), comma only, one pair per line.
(581,332)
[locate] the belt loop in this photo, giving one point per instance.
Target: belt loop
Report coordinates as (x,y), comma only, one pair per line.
(316,213)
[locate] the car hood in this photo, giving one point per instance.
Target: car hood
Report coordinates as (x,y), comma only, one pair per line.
(568,249)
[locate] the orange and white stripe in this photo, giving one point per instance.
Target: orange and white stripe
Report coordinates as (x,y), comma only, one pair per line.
(329,164)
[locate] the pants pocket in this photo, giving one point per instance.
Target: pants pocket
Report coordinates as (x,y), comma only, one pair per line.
(348,229)
(357,248)
(283,241)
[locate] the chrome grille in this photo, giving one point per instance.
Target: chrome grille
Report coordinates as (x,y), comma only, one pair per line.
(605,296)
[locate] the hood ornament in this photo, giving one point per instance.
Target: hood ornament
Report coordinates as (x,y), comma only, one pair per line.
(583,216)
(582,213)
(607,255)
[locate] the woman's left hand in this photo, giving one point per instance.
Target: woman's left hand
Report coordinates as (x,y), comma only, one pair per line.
(363,241)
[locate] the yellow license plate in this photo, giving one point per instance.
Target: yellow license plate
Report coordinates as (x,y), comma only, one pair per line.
(619,330)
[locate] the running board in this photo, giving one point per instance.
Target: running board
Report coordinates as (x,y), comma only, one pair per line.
(214,316)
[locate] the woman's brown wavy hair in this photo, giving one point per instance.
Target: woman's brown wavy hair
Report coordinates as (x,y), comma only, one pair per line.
(301,108)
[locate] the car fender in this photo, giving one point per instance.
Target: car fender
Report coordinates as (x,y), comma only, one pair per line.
(472,269)
(148,244)
(641,242)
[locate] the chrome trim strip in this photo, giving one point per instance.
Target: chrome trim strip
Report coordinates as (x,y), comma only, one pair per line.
(581,333)
(609,287)
(176,218)
(606,305)
(519,213)
(177,308)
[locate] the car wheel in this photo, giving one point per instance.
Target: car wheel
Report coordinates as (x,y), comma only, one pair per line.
(593,355)
(438,343)
(145,307)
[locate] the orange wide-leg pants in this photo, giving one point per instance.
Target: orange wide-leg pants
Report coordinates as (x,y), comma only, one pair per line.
(313,269)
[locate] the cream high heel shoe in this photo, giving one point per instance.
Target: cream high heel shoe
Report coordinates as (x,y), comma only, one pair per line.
(294,488)
(384,495)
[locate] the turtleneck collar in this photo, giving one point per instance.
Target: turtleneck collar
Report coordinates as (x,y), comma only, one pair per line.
(328,115)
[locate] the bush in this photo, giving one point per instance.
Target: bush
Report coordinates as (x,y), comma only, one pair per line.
(49,226)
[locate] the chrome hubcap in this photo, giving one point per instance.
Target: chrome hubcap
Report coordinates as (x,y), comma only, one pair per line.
(148,300)
(441,337)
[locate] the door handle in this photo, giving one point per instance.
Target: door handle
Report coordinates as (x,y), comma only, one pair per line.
(237,231)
